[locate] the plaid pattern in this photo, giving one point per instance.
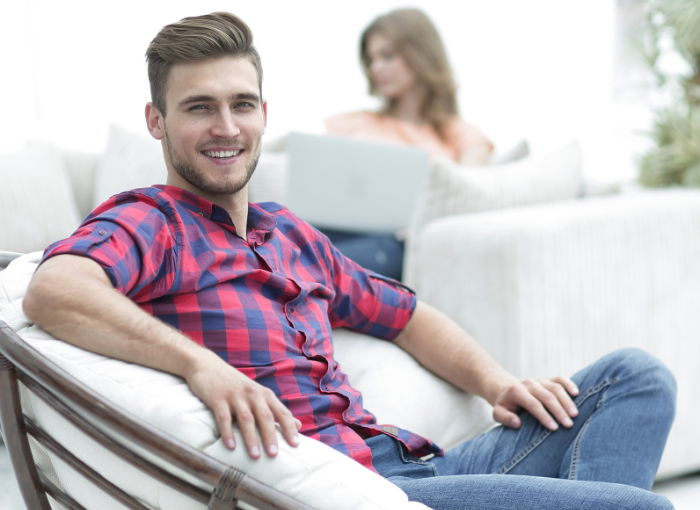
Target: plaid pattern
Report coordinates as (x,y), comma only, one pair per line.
(266,305)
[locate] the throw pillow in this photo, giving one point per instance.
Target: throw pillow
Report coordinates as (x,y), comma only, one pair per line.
(457,189)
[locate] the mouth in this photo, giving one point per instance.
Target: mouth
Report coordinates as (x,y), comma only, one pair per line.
(222,153)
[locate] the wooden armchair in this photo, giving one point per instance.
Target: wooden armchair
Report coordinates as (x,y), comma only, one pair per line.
(26,374)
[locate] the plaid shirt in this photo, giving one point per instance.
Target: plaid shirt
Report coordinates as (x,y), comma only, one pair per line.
(265,304)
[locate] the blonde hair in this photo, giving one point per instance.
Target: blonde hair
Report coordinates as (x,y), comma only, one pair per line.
(417,40)
(197,38)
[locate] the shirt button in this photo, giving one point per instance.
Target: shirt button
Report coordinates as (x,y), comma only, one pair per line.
(102,232)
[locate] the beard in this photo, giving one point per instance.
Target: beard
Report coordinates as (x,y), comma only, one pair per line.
(198,179)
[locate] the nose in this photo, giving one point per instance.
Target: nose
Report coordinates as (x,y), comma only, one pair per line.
(225,125)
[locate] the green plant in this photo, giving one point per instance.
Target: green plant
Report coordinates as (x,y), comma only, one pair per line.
(674,25)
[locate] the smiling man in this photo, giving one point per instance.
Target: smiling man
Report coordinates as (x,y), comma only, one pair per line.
(240,299)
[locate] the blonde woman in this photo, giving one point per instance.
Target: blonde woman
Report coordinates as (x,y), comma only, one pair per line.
(406,66)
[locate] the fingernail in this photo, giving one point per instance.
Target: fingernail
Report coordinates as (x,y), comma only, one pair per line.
(552,425)
(295,439)
(254,451)
(272,449)
(230,444)
(568,423)
(573,412)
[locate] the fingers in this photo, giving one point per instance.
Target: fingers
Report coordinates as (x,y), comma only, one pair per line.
(257,417)
(549,401)
(222,415)
(506,417)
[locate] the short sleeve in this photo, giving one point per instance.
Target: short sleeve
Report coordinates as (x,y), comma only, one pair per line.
(368,302)
(134,243)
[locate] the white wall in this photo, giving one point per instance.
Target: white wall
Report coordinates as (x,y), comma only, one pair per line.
(541,69)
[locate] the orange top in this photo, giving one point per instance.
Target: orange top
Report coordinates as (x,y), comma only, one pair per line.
(464,142)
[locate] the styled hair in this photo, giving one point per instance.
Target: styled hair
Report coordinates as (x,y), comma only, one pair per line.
(194,39)
(417,40)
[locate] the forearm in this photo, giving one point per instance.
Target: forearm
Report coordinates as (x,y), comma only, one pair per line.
(443,347)
(72,298)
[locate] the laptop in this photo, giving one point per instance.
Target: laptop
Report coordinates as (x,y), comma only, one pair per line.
(344,183)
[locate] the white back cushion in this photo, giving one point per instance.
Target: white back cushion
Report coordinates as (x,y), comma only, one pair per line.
(36,201)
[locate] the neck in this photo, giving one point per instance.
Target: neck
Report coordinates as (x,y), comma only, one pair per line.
(236,206)
(408,106)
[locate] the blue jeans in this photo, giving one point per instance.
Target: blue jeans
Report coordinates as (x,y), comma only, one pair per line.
(607,460)
(381,253)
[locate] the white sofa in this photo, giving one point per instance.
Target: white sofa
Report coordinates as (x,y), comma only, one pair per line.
(545,279)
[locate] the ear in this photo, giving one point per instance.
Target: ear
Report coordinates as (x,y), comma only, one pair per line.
(264,112)
(155,122)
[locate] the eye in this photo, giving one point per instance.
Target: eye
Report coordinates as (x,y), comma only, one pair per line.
(198,107)
(244,106)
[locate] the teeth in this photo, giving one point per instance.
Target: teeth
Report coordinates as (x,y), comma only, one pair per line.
(222,154)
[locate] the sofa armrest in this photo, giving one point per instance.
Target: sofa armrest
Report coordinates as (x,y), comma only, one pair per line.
(548,289)
(601,271)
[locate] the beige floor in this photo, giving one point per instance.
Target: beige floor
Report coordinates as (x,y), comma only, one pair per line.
(683,492)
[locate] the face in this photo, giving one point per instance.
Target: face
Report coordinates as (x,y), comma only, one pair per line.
(212,126)
(390,73)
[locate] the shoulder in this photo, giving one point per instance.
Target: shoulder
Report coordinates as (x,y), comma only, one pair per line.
(461,129)
(351,122)
(137,207)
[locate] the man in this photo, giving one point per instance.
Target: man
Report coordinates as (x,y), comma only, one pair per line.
(240,299)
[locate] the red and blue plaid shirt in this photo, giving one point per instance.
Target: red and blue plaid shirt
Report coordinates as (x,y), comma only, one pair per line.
(266,304)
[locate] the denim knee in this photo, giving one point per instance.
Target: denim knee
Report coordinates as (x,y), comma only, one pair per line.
(637,362)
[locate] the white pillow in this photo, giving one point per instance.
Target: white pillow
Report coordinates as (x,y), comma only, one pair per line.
(399,391)
(36,201)
(313,472)
(129,161)
(457,189)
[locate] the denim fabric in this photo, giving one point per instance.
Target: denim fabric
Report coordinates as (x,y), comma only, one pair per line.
(381,253)
(607,460)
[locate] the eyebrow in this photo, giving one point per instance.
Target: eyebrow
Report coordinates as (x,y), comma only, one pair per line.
(203,98)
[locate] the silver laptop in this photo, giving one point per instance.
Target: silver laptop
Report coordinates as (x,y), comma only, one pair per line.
(348,184)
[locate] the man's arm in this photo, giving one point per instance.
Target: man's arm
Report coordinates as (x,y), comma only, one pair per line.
(72,298)
(443,347)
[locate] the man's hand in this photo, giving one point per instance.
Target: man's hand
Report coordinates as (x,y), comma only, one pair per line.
(548,400)
(256,409)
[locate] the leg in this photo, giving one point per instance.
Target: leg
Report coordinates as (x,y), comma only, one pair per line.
(381,253)
(626,406)
(422,482)
(517,492)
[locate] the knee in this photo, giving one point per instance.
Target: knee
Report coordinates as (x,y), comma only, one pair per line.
(661,503)
(649,370)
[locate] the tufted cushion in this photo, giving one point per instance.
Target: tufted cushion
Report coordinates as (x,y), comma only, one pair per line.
(36,201)
(312,472)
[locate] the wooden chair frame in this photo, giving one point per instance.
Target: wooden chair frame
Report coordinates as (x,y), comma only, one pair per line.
(21,363)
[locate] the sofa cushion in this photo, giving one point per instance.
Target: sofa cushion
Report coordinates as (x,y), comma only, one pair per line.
(36,201)
(313,472)
(458,189)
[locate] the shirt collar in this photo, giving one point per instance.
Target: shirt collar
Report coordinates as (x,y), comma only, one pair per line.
(258,218)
